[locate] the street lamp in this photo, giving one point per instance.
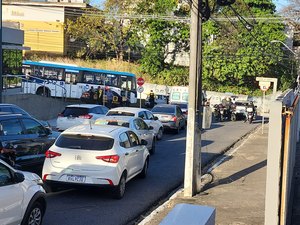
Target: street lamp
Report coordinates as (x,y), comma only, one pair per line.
(294,53)
(285,45)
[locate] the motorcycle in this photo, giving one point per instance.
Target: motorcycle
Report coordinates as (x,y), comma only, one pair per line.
(250,114)
(216,113)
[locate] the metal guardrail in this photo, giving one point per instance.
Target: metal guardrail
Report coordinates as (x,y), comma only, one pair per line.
(23,81)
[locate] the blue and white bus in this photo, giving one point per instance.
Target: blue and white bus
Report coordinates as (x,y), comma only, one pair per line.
(71,81)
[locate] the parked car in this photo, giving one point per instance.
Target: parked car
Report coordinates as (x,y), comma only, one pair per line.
(103,155)
(171,116)
(22,197)
(27,137)
(137,124)
(74,115)
(145,114)
(183,106)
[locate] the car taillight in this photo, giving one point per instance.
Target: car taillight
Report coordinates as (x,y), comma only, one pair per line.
(87,116)
(109,158)
(45,177)
(60,115)
(50,154)
(174,118)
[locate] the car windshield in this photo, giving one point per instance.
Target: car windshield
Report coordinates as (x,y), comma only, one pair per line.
(161,109)
(75,111)
(112,122)
(84,142)
(119,113)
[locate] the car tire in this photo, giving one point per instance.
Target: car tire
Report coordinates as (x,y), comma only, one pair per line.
(144,172)
(34,214)
(119,190)
(153,147)
(160,134)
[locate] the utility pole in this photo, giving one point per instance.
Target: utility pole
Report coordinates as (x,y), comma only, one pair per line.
(192,177)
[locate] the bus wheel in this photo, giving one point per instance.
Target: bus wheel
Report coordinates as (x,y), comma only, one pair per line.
(43,92)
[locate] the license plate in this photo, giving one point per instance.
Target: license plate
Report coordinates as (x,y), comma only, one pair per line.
(76,178)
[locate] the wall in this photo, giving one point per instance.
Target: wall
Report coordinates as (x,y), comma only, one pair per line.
(39,107)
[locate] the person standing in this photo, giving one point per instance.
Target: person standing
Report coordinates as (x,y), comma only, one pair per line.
(109,96)
(100,96)
(91,94)
(151,99)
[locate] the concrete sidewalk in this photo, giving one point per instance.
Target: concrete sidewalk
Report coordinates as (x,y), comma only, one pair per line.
(237,190)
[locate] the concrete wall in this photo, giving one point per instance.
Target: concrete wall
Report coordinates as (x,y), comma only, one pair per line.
(39,107)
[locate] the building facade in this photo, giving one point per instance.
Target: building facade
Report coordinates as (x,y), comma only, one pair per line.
(43,23)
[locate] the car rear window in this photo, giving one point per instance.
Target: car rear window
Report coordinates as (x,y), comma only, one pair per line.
(84,142)
(75,111)
(163,109)
(112,122)
(119,113)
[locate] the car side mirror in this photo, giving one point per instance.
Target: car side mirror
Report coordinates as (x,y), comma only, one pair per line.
(19,177)
(144,142)
(150,128)
(155,118)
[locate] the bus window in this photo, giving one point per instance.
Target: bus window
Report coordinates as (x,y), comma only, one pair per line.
(88,78)
(38,71)
(52,73)
(71,78)
(99,78)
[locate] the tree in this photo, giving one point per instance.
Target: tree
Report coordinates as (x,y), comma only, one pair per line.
(241,50)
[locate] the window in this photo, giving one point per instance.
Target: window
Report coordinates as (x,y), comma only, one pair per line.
(84,142)
(33,127)
(134,140)
(119,113)
(75,112)
(140,124)
(185,96)
(18,110)
(175,96)
(5,176)
(142,115)
(11,127)
(124,141)
(149,115)
(52,73)
(6,109)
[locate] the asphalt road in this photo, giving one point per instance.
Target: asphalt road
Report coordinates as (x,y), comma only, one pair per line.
(166,171)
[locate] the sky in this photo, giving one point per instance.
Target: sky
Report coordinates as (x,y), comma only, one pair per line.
(279,3)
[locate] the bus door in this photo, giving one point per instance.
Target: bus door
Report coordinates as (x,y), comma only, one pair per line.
(71,80)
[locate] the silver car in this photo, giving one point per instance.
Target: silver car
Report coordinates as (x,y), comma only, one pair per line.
(136,124)
(145,114)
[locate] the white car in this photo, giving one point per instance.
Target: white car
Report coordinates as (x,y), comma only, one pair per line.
(74,115)
(136,124)
(22,197)
(145,114)
(96,155)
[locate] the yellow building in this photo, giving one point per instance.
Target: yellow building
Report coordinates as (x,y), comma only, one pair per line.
(43,23)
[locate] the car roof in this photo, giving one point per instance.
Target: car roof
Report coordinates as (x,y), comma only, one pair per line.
(7,104)
(95,129)
(128,109)
(83,106)
(12,115)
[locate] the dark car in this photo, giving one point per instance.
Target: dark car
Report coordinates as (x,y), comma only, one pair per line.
(183,106)
(171,116)
(11,108)
(27,137)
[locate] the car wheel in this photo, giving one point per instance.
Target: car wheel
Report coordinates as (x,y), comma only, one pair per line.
(153,147)
(34,215)
(120,188)
(144,172)
(160,134)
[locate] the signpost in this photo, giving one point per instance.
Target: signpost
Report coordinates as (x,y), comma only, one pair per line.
(140,81)
(264,86)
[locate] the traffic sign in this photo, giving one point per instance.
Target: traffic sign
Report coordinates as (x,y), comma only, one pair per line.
(140,81)
(264,85)
(140,89)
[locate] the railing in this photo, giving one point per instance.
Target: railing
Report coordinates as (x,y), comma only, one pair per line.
(282,140)
(25,83)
